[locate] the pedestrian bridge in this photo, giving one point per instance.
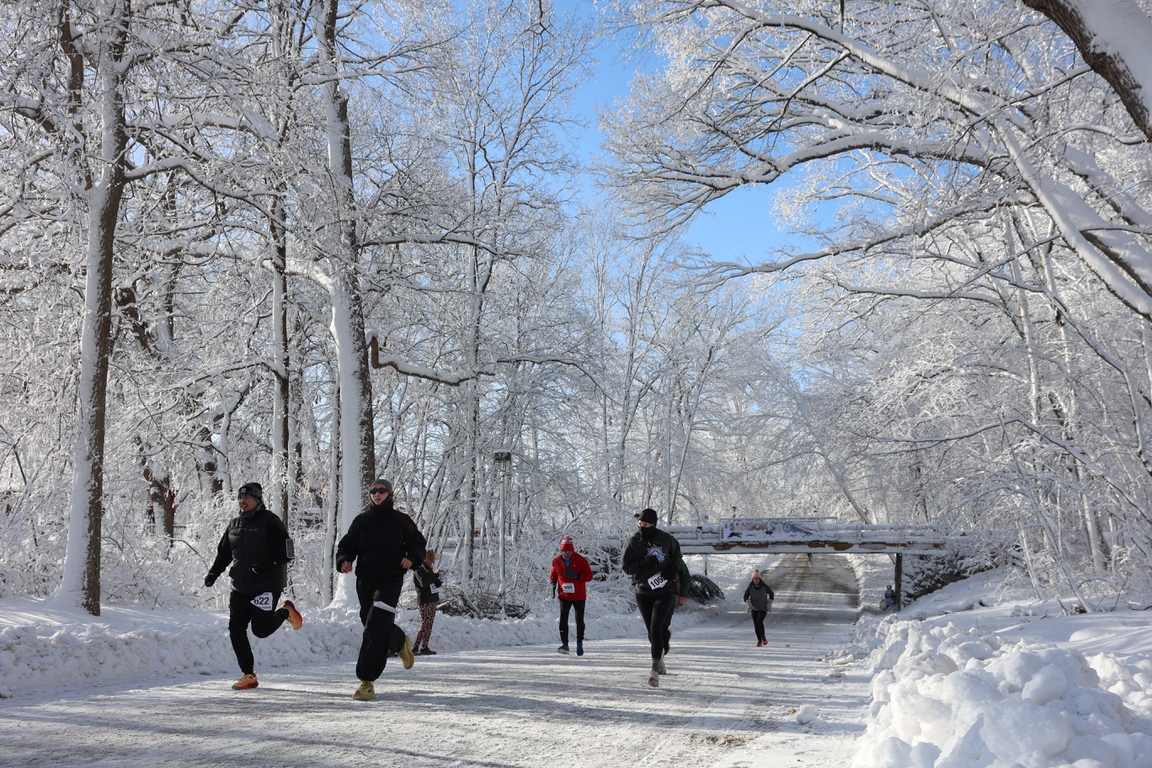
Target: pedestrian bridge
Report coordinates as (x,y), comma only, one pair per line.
(808,535)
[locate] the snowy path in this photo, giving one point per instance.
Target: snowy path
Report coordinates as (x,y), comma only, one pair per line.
(725,702)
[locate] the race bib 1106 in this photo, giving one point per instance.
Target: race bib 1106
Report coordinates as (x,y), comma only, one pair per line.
(263,602)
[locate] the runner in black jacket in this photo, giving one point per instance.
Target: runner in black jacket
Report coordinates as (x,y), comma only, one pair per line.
(653,557)
(385,544)
(257,546)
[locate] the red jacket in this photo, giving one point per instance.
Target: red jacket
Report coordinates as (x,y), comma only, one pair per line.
(570,587)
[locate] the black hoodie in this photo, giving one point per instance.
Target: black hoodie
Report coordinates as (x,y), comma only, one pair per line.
(378,539)
(655,561)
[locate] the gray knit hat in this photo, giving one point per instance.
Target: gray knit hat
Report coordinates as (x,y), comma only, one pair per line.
(251,489)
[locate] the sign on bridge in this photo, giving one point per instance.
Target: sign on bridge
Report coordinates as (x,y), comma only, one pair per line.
(807,534)
(763,530)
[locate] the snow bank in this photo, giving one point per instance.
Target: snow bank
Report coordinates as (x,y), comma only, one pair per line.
(40,651)
(946,697)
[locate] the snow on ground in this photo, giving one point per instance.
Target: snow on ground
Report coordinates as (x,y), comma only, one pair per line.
(725,702)
(974,675)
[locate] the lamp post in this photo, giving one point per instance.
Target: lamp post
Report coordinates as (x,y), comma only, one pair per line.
(503,459)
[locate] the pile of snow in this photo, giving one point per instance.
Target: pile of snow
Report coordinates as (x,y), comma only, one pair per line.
(946,697)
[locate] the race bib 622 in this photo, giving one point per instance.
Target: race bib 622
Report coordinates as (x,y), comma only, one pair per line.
(263,602)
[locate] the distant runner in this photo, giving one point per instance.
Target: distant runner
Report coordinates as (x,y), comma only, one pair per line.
(386,543)
(570,572)
(653,557)
(757,595)
(257,546)
(428,585)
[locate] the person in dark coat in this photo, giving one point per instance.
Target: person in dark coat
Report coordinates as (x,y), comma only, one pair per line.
(428,585)
(257,546)
(384,543)
(570,572)
(653,557)
(757,596)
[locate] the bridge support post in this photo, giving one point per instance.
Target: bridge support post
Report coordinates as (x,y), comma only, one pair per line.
(899,578)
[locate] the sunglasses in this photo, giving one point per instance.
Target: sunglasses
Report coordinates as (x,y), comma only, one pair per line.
(377,491)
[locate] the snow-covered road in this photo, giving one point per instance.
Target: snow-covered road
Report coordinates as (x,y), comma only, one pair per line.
(724,702)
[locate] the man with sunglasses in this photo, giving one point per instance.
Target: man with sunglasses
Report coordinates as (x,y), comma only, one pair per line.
(257,546)
(384,543)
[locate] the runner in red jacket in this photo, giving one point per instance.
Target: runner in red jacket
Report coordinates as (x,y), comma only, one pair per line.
(570,572)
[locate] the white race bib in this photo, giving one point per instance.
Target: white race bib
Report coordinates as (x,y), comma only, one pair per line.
(568,588)
(657,581)
(263,602)
(433,589)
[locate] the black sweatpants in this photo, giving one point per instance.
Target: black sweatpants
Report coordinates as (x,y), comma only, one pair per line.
(758,623)
(654,609)
(565,606)
(242,611)
(381,634)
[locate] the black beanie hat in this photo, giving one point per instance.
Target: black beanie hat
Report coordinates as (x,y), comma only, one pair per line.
(648,516)
(251,489)
(384,483)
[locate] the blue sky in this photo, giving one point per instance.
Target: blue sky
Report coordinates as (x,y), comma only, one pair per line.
(736,228)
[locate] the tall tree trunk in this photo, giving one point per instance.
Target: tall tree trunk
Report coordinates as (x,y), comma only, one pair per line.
(281,362)
(80,582)
(357,439)
(332,516)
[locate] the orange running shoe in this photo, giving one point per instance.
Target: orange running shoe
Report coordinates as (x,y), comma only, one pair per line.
(245,683)
(294,617)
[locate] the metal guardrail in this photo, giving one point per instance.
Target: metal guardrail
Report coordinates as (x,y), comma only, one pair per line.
(808,535)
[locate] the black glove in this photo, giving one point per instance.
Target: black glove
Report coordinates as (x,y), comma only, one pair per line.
(553,590)
(571,573)
(209,580)
(650,563)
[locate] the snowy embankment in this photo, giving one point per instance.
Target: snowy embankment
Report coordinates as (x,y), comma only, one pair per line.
(40,647)
(974,681)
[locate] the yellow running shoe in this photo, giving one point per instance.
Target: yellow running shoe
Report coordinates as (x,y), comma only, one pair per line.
(405,654)
(365,692)
(245,683)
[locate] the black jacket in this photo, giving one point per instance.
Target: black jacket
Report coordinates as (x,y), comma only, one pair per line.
(256,544)
(378,539)
(427,583)
(654,562)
